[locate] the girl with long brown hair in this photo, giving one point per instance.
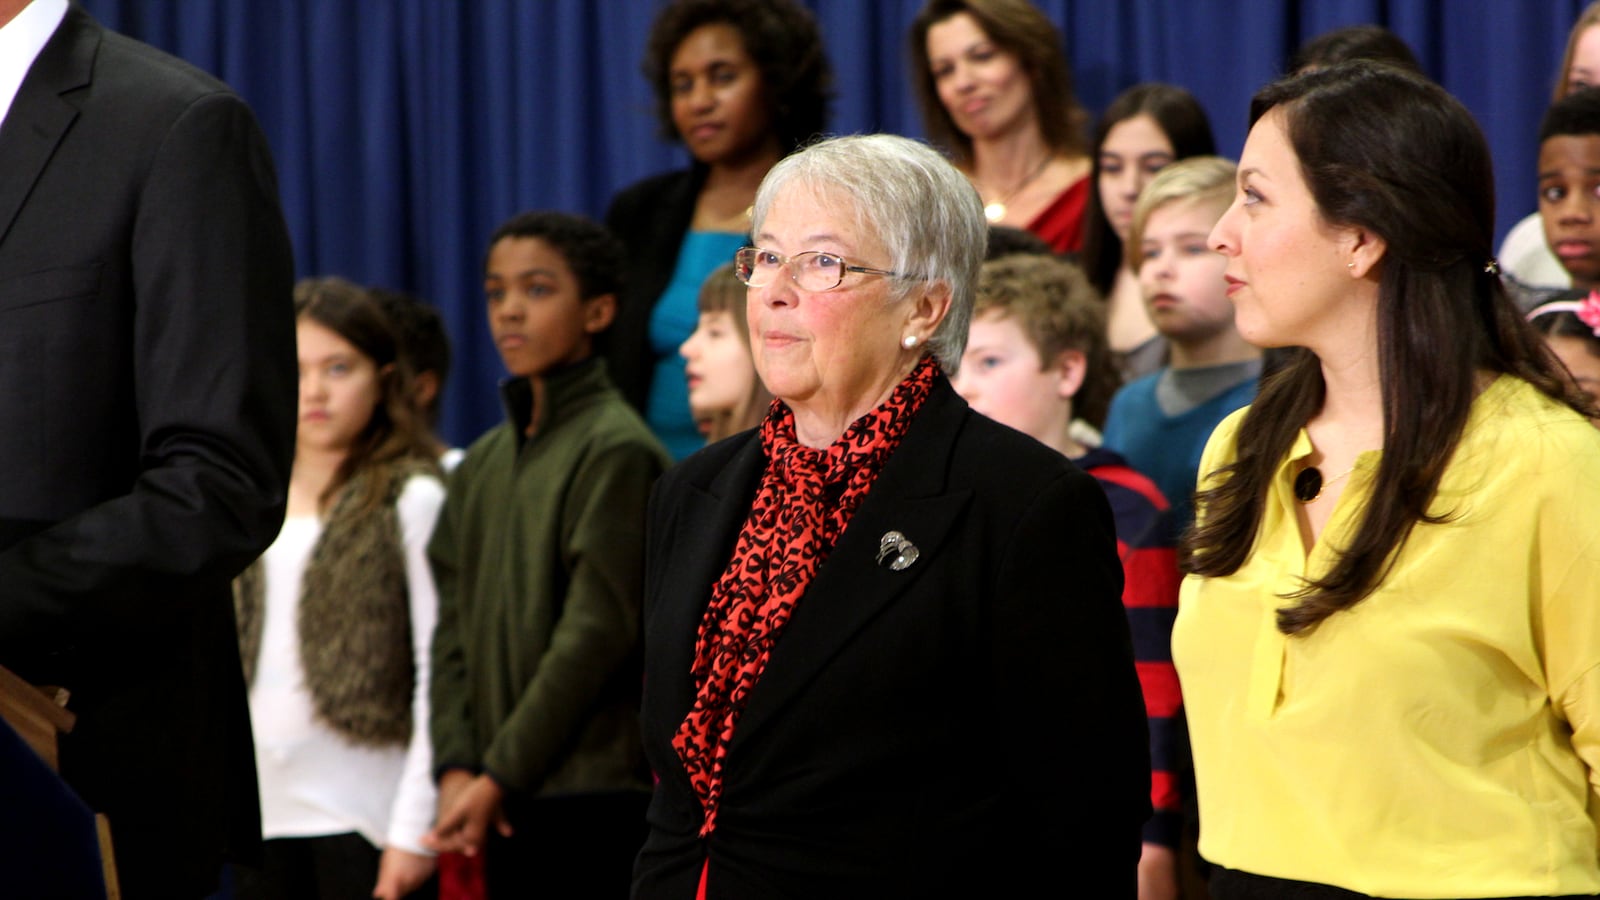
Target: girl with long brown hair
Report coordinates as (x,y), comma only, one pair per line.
(336,618)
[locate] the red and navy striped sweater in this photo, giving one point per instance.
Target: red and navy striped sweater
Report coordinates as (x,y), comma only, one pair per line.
(1146,541)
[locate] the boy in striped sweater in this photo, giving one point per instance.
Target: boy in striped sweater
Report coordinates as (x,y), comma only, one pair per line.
(1037,360)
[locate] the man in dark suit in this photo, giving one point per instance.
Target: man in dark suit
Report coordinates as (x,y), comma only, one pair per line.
(147,419)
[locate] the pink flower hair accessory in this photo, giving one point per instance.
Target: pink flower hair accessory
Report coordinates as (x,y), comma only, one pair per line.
(1587,310)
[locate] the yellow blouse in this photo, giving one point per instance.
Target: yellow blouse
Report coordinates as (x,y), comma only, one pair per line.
(1442,737)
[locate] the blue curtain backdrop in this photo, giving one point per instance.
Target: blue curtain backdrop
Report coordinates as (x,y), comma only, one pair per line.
(405,130)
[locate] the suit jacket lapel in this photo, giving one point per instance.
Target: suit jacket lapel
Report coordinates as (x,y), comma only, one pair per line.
(715,510)
(851,588)
(39,116)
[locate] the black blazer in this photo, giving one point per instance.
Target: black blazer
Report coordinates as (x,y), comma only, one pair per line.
(971,723)
(147,398)
(650,218)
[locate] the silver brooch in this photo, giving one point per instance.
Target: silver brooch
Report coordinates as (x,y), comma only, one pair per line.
(895,552)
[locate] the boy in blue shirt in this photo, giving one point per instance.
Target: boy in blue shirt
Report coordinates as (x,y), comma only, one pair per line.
(1160,422)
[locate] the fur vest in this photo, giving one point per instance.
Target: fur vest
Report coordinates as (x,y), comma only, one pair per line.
(353,618)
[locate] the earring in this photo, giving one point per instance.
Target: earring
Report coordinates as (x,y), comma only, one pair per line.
(1350,265)
(908,341)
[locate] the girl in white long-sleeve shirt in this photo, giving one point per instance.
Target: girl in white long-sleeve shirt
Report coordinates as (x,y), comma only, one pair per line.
(336,619)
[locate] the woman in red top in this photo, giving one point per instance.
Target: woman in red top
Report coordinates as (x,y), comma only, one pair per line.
(996,91)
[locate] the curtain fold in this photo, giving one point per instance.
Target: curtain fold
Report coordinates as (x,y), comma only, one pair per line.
(405,130)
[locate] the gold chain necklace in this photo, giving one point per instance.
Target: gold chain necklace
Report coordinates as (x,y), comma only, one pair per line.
(996,210)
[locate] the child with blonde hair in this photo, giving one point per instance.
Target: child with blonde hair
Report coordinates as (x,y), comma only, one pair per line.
(1160,422)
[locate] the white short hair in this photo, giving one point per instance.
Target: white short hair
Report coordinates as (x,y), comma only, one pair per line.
(925,212)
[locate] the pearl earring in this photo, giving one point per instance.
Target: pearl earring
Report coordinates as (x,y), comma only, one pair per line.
(908,341)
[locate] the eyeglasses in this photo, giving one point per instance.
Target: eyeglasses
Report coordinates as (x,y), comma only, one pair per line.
(813,270)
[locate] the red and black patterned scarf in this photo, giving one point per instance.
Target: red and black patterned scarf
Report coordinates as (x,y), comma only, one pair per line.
(793,526)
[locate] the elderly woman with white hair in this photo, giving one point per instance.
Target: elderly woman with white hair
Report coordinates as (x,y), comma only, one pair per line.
(885,649)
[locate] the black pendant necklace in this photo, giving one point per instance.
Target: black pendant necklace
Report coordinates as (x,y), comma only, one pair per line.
(1308,484)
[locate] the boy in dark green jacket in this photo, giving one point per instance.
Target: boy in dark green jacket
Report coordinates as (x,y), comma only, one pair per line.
(539,561)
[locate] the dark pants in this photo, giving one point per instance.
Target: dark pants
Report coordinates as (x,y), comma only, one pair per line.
(1231,884)
(580,845)
(334,867)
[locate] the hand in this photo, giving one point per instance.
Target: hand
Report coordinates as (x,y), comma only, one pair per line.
(401,872)
(463,825)
(451,784)
(1158,873)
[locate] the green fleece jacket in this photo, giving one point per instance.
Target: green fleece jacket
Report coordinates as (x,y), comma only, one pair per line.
(539,558)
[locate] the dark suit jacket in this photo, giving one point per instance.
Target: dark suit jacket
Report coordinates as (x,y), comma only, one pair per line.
(650,218)
(147,397)
(970,723)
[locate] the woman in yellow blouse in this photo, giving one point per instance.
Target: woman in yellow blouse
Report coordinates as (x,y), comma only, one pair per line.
(1389,639)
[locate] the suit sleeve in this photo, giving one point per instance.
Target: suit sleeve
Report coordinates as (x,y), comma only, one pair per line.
(597,635)
(214,384)
(1077,764)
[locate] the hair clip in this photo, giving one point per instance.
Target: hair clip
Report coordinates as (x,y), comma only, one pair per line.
(1492,267)
(1587,310)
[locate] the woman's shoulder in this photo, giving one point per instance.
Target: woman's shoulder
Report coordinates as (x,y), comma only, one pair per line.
(1019,493)
(1221,447)
(1527,459)
(731,467)
(1517,425)
(649,191)
(1227,430)
(705,464)
(997,460)
(1509,400)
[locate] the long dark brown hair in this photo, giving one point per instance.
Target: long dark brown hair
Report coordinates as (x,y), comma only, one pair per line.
(396,431)
(1018,28)
(1182,119)
(1392,153)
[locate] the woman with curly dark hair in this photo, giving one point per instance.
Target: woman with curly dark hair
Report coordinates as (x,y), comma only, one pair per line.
(995,91)
(740,83)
